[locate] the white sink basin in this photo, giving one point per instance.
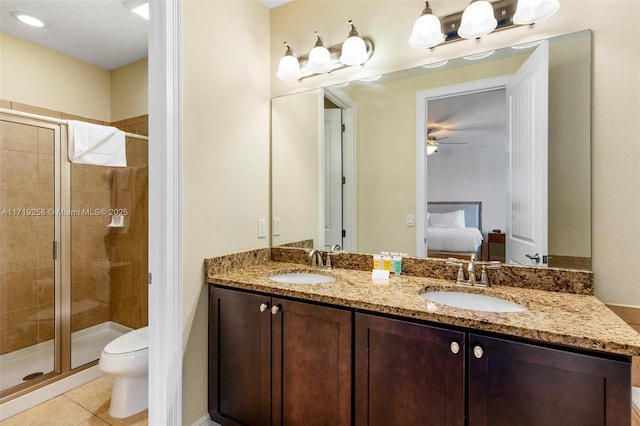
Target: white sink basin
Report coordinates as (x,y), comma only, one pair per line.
(472,301)
(301,278)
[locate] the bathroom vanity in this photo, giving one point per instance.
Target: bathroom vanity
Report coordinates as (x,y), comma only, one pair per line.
(353,352)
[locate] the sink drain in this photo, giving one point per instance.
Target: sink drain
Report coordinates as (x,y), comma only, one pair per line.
(32,376)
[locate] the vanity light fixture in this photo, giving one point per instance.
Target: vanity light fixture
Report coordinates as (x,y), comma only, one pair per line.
(319,57)
(477,20)
(532,11)
(427,30)
(25,18)
(289,67)
(431,149)
(354,50)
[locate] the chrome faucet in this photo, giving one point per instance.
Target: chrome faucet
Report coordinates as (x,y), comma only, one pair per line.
(471,271)
(316,258)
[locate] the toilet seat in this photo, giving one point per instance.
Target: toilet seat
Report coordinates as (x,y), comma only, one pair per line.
(134,341)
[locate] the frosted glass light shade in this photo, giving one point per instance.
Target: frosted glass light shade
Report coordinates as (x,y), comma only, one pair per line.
(427,32)
(431,149)
(289,68)
(477,20)
(531,11)
(319,60)
(354,51)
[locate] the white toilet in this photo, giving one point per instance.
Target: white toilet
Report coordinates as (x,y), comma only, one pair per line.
(127,359)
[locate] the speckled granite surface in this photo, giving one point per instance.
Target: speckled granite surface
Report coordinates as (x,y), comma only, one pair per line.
(576,320)
(551,279)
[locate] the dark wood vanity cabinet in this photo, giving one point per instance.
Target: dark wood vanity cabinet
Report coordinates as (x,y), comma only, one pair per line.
(277,362)
(512,383)
(414,374)
(407,374)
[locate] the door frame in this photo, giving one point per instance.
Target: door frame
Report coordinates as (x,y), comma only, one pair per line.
(348,108)
(165,213)
(422,98)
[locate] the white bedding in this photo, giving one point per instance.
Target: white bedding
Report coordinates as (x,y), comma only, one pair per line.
(465,240)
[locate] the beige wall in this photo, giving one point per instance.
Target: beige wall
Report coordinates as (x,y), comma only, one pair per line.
(128,79)
(295,166)
(615,97)
(225,56)
(38,76)
(34,75)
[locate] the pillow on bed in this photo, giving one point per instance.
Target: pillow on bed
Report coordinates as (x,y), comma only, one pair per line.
(447,220)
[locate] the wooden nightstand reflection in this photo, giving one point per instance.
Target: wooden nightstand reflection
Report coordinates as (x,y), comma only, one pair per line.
(496,246)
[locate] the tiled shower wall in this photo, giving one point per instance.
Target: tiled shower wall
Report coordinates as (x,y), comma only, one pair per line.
(130,190)
(108,265)
(26,262)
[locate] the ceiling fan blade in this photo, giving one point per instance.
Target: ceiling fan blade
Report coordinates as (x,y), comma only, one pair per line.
(454,127)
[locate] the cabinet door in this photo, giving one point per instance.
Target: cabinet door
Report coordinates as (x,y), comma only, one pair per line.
(311,365)
(239,358)
(407,374)
(520,384)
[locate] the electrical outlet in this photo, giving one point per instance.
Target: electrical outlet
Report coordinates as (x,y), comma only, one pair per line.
(411,220)
(276,226)
(262,228)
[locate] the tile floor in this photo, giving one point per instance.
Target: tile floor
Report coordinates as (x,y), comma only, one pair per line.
(87,405)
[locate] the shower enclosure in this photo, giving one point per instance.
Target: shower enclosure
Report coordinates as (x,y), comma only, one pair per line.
(73,251)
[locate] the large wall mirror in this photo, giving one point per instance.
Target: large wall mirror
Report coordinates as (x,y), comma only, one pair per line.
(348,162)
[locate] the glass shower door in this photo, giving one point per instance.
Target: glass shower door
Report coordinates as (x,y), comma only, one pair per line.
(29,270)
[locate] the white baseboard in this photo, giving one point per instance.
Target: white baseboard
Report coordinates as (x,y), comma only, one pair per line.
(205,421)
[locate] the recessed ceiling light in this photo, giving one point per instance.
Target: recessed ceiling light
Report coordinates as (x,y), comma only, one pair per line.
(372,78)
(25,18)
(436,64)
(479,56)
(139,7)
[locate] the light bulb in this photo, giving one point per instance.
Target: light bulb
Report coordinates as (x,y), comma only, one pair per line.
(427,30)
(531,11)
(319,57)
(289,67)
(477,20)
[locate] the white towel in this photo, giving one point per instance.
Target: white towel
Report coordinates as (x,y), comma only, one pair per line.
(95,144)
(635,398)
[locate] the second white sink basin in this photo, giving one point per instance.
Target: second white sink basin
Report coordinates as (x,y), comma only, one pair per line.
(301,278)
(472,301)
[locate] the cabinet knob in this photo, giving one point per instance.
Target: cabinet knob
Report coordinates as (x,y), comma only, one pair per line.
(264,307)
(275,309)
(478,352)
(455,347)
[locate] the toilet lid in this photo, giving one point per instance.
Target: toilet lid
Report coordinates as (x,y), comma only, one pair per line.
(132,341)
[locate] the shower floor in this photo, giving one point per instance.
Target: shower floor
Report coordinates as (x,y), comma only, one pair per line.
(86,346)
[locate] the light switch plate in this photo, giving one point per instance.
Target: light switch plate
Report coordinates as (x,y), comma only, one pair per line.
(276,226)
(262,228)
(411,220)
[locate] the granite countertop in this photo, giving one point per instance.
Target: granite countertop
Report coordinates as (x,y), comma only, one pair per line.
(575,320)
